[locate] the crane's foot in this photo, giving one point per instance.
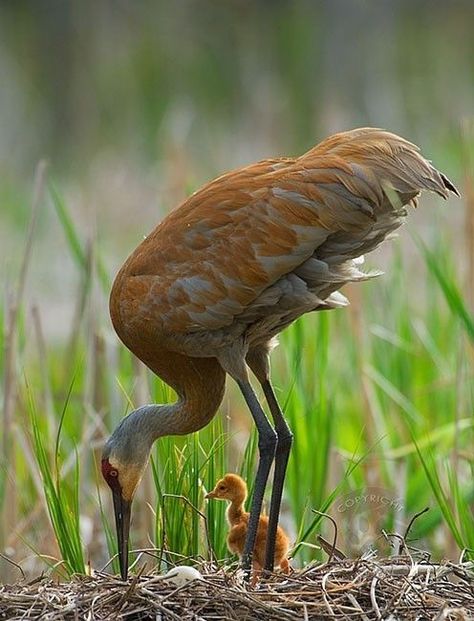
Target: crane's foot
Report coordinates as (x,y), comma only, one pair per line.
(246,561)
(246,565)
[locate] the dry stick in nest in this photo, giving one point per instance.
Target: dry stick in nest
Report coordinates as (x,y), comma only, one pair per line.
(338,590)
(12,562)
(201,514)
(330,549)
(161,550)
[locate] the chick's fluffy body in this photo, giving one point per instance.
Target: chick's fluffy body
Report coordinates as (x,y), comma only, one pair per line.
(234,489)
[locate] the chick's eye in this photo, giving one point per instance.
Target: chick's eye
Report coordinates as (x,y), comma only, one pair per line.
(222,487)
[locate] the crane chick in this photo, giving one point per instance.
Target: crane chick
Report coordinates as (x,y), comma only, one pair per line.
(234,489)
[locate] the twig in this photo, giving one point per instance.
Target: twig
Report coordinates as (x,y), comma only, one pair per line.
(373,599)
(331,550)
(202,515)
(410,523)
(9,560)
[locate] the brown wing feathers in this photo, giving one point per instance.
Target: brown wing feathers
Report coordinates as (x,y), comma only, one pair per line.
(213,256)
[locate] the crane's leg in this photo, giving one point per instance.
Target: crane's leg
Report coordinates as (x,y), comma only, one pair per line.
(267,442)
(282,454)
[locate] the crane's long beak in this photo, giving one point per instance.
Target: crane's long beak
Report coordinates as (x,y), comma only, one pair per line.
(122,522)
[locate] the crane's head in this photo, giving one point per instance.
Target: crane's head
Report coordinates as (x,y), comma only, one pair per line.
(124,459)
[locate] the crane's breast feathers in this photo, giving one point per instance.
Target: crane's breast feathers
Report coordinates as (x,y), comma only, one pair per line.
(280,236)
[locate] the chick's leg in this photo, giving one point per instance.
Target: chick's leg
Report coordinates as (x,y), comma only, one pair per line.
(256,572)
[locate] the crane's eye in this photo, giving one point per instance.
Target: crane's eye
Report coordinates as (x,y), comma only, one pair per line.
(113,473)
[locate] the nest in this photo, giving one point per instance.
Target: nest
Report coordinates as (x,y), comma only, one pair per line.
(368,588)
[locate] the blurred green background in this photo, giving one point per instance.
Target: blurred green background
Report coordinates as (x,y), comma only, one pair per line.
(135,104)
(226,81)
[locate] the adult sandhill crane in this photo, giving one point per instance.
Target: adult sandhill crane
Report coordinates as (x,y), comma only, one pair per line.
(209,289)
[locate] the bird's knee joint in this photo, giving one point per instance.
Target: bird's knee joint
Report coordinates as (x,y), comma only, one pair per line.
(285,440)
(268,443)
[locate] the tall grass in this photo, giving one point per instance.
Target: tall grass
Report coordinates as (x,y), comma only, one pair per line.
(62,499)
(379,396)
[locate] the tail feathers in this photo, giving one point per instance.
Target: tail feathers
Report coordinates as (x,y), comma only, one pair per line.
(449,185)
(369,160)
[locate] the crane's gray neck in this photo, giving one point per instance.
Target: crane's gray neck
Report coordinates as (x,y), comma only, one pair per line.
(132,440)
(200,393)
(150,422)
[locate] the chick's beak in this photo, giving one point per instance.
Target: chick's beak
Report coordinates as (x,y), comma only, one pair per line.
(122,522)
(210,494)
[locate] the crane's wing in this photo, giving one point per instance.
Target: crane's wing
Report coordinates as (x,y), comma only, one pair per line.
(281,222)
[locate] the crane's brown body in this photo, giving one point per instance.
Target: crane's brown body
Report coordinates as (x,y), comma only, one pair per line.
(243,257)
(256,248)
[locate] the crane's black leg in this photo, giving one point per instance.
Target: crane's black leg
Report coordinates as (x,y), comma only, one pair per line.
(267,442)
(282,454)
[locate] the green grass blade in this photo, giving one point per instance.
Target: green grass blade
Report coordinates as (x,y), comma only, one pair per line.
(75,245)
(67,223)
(62,505)
(437,265)
(434,480)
